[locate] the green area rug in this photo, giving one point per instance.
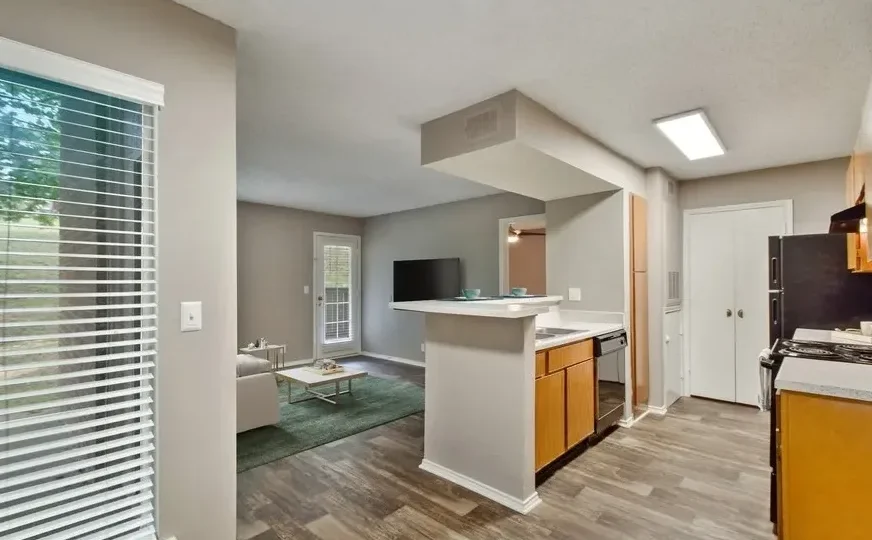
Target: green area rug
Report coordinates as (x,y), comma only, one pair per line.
(309,422)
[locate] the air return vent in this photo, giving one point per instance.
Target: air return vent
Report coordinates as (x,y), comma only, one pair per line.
(674,286)
(481,125)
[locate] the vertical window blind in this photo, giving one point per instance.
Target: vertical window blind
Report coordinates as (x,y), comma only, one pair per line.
(78,313)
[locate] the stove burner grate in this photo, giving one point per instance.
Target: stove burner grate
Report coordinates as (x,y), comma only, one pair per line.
(814,351)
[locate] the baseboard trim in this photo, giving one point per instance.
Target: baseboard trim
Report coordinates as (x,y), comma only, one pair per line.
(630,422)
(659,411)
(397,359)
(513,503)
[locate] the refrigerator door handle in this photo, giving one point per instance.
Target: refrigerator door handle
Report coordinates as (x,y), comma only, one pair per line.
(773,270)
(774,310)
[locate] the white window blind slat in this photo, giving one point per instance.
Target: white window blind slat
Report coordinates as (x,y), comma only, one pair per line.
(70,441)
(78,311)
(146,533)
(75,374)
(77,203)
(78,151)
(65,482)
(142,477)
(71,348)
(75,229)
(76,190)
(78,452)
(74,506)
(74,413)
(30,366)
(76,387)
(35,129)
(90,517)
(78,465)
(77,335)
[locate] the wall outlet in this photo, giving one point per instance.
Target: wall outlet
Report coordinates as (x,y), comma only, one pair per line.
(422,347)
(574,294)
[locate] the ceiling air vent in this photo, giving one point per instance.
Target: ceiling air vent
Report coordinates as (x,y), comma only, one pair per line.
(481,125)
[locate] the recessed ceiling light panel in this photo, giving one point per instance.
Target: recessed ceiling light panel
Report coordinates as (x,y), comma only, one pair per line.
(692,133)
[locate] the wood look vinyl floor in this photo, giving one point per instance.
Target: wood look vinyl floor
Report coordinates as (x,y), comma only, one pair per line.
(699,472)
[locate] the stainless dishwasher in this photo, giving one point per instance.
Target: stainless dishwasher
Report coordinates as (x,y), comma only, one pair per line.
(609,351)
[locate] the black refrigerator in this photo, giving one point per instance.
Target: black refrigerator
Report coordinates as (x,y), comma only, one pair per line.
(810,285)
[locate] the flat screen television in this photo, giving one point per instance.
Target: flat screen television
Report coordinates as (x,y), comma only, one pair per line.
(426,279)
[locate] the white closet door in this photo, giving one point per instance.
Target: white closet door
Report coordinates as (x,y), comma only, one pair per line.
(710,296)
(752,230)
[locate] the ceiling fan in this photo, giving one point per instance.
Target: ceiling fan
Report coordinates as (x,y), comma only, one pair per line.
(516,234)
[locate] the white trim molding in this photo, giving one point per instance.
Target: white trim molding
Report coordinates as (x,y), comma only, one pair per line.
(524,506)
(397,359)
(50,65)
(659,411)
(630,422)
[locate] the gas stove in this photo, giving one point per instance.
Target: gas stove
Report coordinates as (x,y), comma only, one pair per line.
(823,350)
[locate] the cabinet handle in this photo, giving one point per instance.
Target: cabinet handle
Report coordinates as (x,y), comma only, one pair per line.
(729,312)
(741,314)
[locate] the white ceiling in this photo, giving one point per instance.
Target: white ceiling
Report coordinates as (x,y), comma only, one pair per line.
(331,92)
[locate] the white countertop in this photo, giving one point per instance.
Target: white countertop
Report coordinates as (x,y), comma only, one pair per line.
(505,308)
(588,324)
(837,379)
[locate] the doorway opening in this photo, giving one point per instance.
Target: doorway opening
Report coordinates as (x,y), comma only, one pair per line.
(522,254)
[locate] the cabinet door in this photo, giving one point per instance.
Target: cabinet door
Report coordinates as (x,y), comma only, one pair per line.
(824,472)
(579,402)
(639,327)
(639,233)
(550,418)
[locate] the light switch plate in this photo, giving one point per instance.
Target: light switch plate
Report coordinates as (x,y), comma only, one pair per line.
(305,289)
(574,294)
(192,316)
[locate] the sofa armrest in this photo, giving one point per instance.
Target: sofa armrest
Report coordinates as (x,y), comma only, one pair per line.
(257,401)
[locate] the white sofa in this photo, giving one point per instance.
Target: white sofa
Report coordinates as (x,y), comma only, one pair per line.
(257,394)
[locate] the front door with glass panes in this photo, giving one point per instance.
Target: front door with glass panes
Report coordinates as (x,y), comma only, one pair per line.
(337,295)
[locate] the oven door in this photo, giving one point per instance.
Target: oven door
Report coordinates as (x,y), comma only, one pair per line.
(611,389)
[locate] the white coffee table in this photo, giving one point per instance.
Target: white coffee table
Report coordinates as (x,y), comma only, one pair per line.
(309,379)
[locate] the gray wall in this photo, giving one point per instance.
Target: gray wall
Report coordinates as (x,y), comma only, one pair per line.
(585,249)
(274,258)
(194,57)
(467,229)
(817,190)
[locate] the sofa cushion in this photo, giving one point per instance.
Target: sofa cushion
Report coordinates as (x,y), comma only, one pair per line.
(247,364)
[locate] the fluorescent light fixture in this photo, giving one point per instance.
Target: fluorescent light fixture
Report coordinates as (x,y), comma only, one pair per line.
(692,133)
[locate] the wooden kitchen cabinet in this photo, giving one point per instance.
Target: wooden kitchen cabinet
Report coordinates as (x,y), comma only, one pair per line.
(580,396)
(824,469)
(565,399)
(540,363)
(550,418)
(568,355)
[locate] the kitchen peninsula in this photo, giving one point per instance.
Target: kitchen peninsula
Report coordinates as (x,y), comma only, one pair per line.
(481,392)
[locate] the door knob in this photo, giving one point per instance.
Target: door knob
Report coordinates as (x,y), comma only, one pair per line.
(741,314)
(729,312)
